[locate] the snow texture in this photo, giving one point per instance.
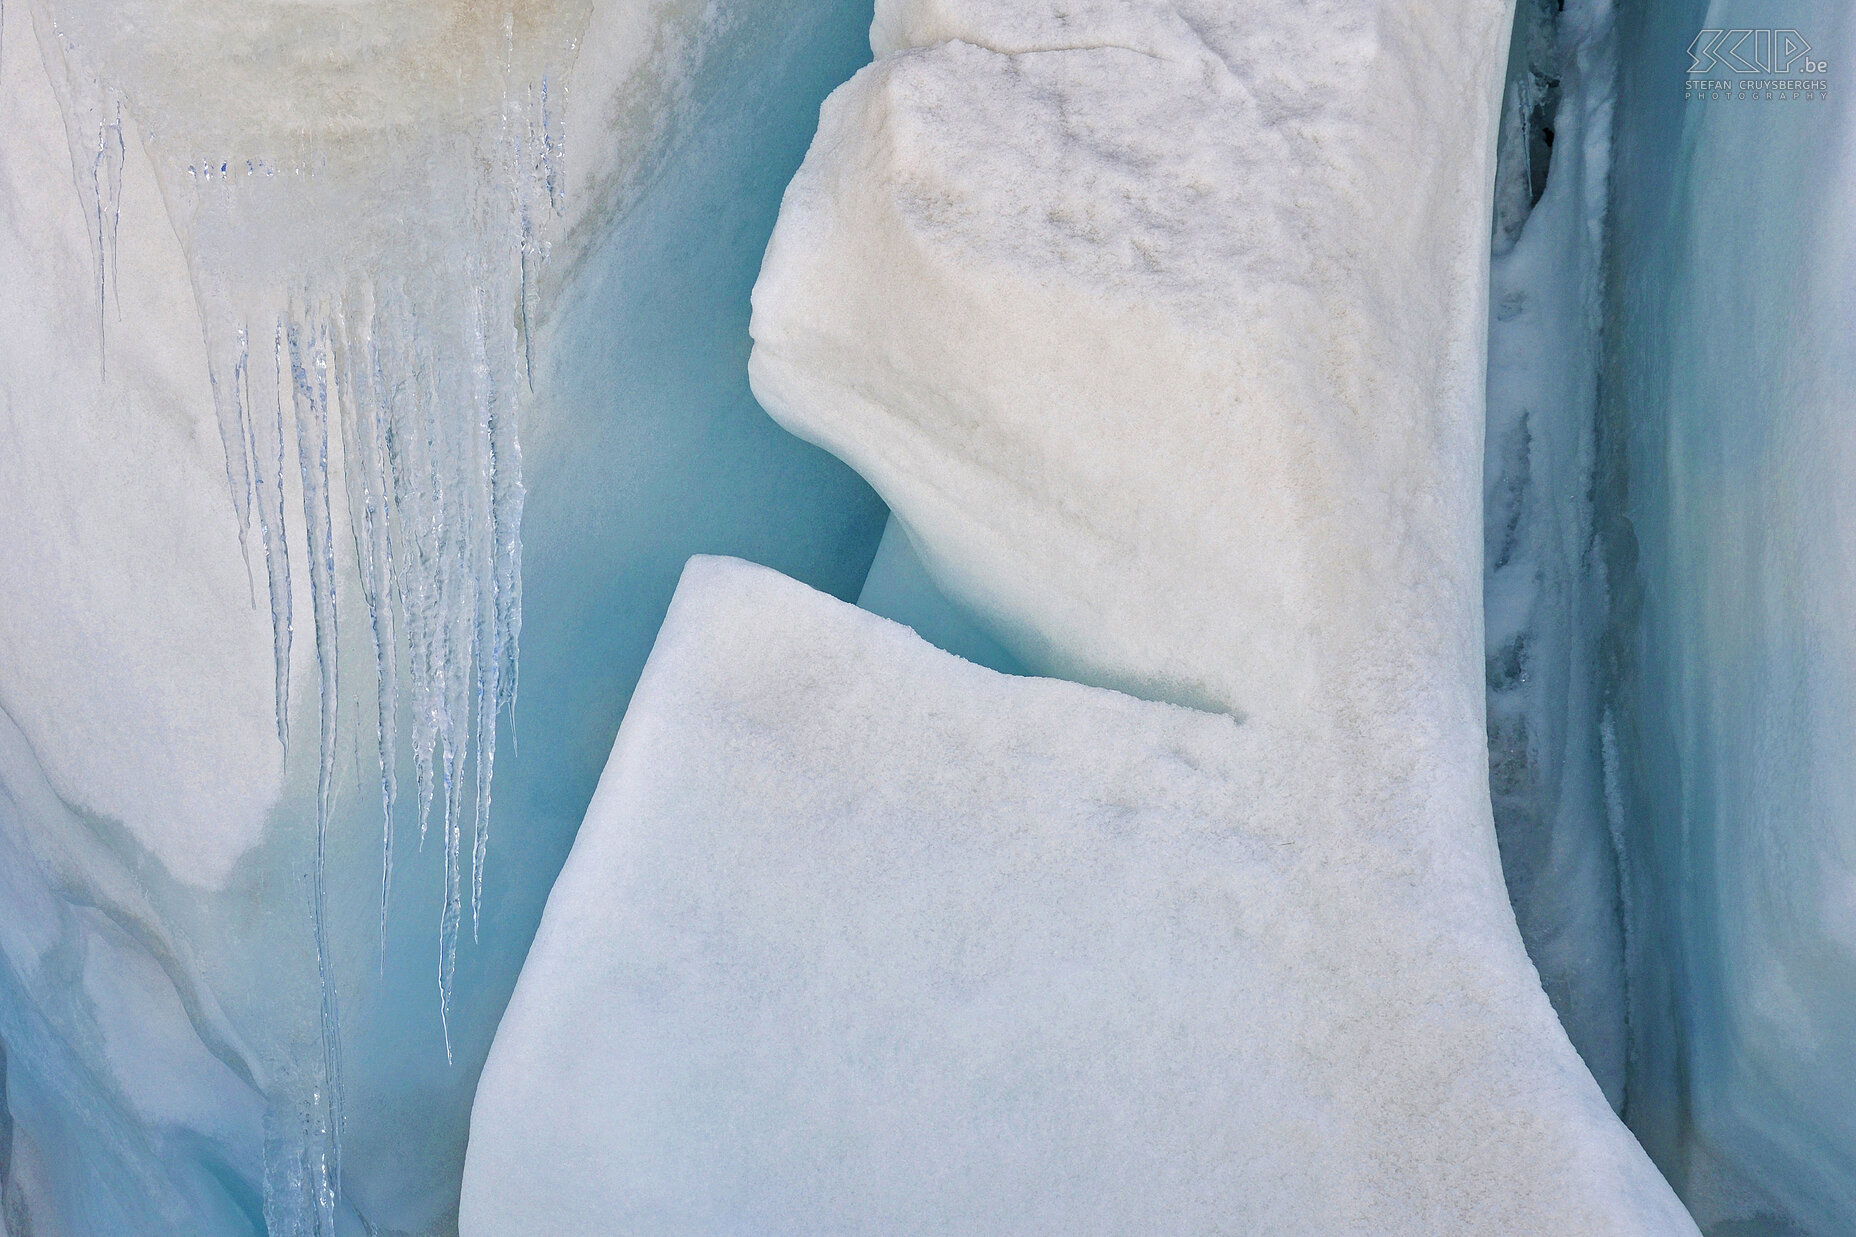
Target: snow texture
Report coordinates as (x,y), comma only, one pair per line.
(861,938)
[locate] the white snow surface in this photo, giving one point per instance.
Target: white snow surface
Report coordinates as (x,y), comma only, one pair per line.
(859,937)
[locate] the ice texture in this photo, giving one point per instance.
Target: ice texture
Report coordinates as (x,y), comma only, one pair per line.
(364,288)
(859,937)
(1730,363)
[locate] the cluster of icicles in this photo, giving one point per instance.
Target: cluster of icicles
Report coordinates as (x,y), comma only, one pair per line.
(383,364)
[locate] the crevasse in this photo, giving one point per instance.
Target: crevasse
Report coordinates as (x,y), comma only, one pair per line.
(1546,593)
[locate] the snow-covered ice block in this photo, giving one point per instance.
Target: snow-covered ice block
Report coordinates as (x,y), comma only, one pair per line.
(1161,326)
(858,937)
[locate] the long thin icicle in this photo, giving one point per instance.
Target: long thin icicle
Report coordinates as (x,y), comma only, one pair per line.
(93,118)
(370,507)
(309,366)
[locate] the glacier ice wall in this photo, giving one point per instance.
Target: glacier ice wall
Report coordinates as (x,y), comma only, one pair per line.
(165,1015)
(1730,359)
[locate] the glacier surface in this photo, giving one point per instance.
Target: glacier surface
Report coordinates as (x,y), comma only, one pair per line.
(1154,410)
(859,937)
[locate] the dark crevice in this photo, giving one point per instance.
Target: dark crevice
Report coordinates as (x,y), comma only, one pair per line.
(1530,103)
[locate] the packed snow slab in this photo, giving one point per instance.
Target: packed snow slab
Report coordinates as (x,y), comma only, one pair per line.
(859,937)
(1160,326)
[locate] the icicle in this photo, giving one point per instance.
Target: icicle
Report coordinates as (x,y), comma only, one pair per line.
(309,366)
(264,421)
(226,375)
(107,170)
(484,633)
(370,507)
(92,112)
(449,916)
